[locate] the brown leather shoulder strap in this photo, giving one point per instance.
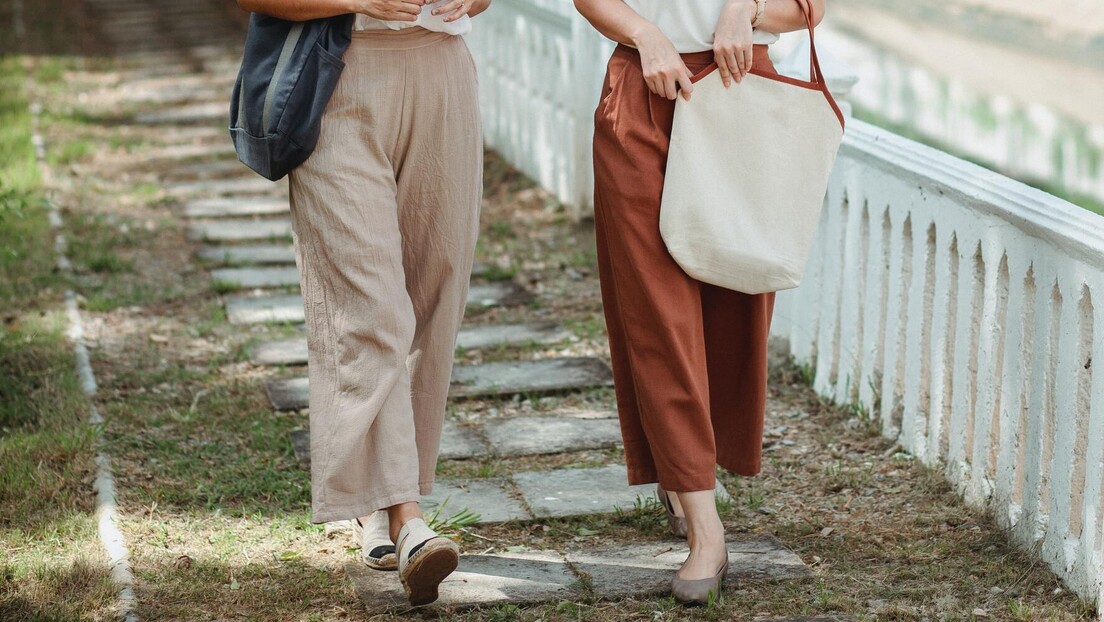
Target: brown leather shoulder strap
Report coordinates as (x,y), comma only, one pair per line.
(815,73)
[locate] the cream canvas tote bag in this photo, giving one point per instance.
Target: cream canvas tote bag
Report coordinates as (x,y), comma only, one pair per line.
(746,176)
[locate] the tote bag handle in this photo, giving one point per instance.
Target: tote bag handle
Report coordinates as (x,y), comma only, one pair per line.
(816,76)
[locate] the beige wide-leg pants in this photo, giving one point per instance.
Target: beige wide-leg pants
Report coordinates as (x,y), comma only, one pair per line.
(385,214)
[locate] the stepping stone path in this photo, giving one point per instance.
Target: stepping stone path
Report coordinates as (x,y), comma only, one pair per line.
(264,309)
(230,186)
(209,170)
(289,308)
(207,112)
(231,208)
(570,492)
(243,223)
(249,278)
(294,351)
(540,376)
(457,443)
(185,152)
(547,434)
(606,572)
(488,379)
(239,230)
(280,254)
(524,436)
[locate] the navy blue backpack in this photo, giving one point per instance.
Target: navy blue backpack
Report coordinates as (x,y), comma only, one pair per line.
(288,73)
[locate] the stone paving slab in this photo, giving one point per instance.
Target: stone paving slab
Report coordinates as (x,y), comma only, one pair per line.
(518,578)
(496,335)
(294,351)
(645,569)
(460,442)
(168,96)
(572,492)
(288,393)
(261,254)
(490,498)
(239,230)
(541,576)
(474,380)
(230,207)
(522,436)
(537,376)
(191,113)
(184,152)
(497,294)
(280,308)
(249,278)
(222,187)
(283,352)
(207,170)
(457,443)
(264,309)
(300,444)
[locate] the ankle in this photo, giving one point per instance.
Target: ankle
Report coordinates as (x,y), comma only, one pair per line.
(399,515)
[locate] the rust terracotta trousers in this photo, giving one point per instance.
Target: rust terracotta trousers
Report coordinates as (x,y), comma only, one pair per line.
(689,359)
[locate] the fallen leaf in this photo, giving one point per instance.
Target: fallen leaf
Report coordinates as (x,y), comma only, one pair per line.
(827,531)
(980,613)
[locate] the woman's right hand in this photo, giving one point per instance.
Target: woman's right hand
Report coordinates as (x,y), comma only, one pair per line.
(391,10)
(664,71)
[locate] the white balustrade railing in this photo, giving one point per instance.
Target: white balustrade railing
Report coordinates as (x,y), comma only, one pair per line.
(961,309)
(540,69)
(964,311)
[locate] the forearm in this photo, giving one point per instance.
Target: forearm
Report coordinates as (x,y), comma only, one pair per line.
(299,10)
(786,15)
(616,20)
(478,6)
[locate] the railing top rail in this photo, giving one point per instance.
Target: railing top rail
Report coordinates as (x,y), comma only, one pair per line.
(1074,229)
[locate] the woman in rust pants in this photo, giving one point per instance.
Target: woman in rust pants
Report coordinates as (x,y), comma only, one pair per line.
(689,359)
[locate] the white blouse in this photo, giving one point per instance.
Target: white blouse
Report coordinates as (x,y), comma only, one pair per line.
(689,24)
(426,20)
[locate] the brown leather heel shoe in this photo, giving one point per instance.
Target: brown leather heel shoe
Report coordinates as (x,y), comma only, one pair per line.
(699,591)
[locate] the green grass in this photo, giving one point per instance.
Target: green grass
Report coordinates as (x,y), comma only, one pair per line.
(26,243)
(51,566)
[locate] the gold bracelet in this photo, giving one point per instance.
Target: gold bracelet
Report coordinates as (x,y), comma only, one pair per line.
(760,9)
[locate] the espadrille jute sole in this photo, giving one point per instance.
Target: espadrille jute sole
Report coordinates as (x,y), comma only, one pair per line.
(422,575)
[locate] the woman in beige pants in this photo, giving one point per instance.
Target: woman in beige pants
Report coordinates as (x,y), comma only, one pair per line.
(385,214)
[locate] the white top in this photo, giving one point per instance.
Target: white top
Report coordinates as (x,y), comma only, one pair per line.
(426,20)
(689,24)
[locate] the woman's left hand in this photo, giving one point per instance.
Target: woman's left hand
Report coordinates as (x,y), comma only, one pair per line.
(732,40)
(452,9)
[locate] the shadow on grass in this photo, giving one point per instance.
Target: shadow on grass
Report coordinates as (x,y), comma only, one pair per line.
(82,590)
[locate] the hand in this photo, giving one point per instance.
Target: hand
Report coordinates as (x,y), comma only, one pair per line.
(732,40)
(391,10)
(452,10)
(664,71)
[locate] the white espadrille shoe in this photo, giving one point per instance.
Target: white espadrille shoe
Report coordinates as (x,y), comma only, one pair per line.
(376,548)
(425,559)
